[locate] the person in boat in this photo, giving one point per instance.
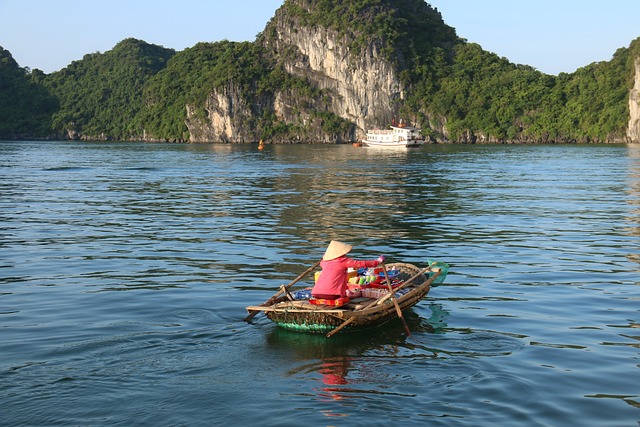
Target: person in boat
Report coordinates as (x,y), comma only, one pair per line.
(332,282)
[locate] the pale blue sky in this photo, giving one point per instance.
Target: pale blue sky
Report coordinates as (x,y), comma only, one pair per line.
(551,35)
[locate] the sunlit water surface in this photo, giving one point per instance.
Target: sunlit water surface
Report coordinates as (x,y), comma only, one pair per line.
(125,270)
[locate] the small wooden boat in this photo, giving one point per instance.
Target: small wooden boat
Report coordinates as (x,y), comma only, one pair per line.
(410,285)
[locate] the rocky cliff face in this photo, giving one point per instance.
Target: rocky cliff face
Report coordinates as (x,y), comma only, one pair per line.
(224,118)
(633,130)
(359,87)
(330,80)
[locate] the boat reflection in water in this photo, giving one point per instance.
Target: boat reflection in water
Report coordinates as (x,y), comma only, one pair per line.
(334,373)
(347,369)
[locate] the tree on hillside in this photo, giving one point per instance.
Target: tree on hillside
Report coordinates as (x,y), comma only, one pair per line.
(102,94)
(25,106)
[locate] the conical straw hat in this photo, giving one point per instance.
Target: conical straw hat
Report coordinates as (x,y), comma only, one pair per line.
(336,249)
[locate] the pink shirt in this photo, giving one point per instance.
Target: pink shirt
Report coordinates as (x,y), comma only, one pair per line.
(333,279)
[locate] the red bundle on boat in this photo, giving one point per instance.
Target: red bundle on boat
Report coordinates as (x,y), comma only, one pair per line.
(338,302)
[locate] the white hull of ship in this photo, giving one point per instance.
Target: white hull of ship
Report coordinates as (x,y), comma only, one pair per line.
(399,144)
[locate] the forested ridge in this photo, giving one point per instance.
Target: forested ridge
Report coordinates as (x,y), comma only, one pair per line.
(456,91)
(26,106)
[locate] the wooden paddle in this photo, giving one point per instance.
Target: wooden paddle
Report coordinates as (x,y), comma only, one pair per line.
(386,297)
(282,290)
(395,300)
(405,284)
(383,298)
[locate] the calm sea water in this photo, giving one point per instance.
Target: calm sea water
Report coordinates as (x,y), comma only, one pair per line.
(125,269)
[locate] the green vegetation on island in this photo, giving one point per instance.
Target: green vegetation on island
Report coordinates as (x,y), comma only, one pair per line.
(26,107)
(455,90)
(101,95)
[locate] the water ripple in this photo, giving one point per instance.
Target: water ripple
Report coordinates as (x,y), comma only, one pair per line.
(125,270)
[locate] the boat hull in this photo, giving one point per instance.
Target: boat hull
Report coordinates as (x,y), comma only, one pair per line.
(308,322)
(394,145)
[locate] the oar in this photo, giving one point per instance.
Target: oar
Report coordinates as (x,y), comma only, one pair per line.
(382,299)
(395,300)
(282,290)
(406,283)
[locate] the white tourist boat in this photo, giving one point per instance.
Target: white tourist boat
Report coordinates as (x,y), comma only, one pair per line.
(400,136)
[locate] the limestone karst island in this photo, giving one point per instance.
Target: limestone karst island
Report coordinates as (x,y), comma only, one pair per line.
(323,72)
